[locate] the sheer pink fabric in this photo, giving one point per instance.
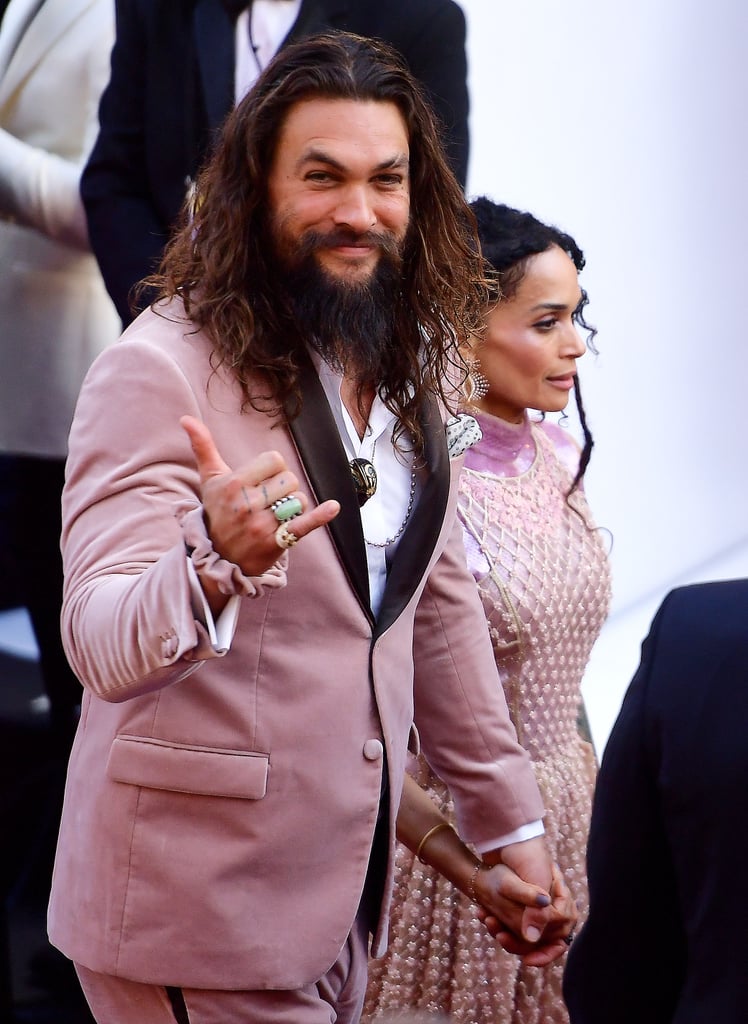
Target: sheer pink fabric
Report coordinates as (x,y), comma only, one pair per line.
(544,580)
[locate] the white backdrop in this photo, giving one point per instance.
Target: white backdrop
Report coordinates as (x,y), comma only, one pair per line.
(625,124)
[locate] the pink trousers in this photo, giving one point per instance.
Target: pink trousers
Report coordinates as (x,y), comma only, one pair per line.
(337,998)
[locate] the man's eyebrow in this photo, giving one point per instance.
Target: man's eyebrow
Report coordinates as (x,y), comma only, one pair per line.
(400,160)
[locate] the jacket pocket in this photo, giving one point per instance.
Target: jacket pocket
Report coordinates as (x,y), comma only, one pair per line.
(182,768)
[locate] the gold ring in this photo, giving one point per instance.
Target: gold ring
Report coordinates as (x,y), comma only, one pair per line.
(284,538)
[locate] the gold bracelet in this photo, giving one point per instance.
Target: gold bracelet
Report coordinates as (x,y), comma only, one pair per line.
(471,884)
(427,836)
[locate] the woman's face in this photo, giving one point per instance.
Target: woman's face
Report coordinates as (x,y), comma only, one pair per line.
(529,351)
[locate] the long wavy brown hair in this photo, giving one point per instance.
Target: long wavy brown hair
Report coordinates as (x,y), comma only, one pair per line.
(220,262)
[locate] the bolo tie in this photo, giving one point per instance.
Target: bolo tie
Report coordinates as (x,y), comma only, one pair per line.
(364,479)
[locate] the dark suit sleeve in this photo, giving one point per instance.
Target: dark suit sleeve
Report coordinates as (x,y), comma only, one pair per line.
(127,233)
(627,964)
(437,57)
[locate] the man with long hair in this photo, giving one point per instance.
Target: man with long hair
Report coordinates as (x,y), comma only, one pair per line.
(180,66)
(265,579)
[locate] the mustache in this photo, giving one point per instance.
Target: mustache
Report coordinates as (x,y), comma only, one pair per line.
(383,240)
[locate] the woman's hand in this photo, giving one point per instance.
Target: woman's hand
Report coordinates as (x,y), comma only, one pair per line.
(493,892)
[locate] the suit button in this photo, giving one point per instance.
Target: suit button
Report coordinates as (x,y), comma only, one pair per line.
(373,750)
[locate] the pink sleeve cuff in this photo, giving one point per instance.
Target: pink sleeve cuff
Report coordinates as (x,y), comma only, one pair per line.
(227,576)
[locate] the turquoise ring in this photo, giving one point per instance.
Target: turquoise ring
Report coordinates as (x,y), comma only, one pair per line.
(286,508)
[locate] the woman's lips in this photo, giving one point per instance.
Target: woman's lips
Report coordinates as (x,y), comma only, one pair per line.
(565,383)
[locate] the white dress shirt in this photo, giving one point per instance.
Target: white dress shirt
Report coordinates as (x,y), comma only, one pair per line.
(260,30)
(383,515)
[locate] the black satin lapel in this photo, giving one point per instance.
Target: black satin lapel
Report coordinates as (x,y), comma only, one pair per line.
(214,44)
(317,440)
(422,532)
(317,17)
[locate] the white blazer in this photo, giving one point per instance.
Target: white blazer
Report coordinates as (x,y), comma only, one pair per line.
(55,314)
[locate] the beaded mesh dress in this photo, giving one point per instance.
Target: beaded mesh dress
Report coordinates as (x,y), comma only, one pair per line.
(544,580)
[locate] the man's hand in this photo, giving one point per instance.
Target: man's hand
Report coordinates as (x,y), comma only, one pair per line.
(237,503)
(562,917)
(539,939)
(503,897)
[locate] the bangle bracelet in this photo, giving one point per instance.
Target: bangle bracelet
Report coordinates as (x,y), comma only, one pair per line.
(428,835)
(471,884)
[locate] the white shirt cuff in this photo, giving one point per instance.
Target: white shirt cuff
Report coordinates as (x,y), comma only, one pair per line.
(530,831)
(221,630)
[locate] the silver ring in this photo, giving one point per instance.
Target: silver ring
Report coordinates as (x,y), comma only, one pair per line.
(284,538)
(568,939)
(286,508)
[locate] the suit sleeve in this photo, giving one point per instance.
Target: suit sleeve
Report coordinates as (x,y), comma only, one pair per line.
(632,941)
(129,477)
(460,710)
(40,188)
(127,235)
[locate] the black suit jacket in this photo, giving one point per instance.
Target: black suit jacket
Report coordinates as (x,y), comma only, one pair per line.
(172,84)
(665,942)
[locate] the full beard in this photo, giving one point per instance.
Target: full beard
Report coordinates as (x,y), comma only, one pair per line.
(349,323)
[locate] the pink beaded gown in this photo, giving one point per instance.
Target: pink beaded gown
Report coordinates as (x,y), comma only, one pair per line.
(544,579)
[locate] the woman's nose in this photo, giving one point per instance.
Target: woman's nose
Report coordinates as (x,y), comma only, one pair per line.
(575,344)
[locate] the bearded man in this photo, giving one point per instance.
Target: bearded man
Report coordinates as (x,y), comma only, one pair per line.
(265,580)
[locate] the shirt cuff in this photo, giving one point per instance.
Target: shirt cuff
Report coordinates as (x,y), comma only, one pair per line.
(220,631)
(530,831)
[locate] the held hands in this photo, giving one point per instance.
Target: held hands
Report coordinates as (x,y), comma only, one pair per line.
(503,897)
(537,933)
(237,503)
(505,923)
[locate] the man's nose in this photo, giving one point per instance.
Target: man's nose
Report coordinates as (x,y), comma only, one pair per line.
(355,210)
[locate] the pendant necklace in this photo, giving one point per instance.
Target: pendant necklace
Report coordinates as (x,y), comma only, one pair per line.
(365,481)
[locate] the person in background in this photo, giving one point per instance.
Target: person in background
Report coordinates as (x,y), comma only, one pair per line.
(544,582)
(179,68)
(265,584)
(55,317)
(55,314)
(669,825)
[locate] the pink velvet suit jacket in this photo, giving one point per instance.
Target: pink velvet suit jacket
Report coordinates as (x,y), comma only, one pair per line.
(220,810)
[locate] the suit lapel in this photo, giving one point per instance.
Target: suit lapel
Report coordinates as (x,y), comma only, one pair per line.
(318,443)
(14,24)
(214,44)
(422,532)
(34,32)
